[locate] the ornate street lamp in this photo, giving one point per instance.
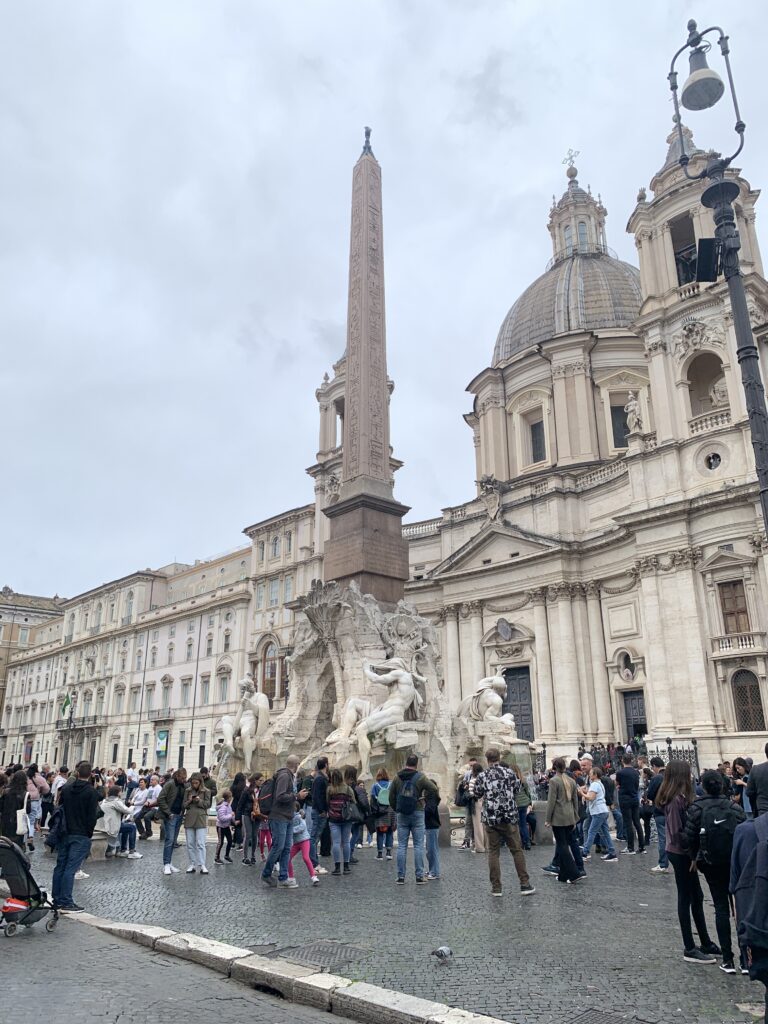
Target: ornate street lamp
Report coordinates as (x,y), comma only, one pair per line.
(702,89)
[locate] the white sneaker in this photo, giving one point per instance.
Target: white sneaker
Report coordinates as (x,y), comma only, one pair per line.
(203,870)
(321,870)
(122,853)
(174,870)
(167,869)
(191,869)
(80,875)
(289,883)
(135,856)
(315,880)
(659,870)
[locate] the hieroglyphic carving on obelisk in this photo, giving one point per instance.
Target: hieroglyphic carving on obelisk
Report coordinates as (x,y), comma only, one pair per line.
(366,405)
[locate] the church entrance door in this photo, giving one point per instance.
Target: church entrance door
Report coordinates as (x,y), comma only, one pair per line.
(634,713)
(518,699)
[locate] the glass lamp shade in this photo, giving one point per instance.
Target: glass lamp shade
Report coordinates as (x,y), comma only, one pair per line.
(703,87)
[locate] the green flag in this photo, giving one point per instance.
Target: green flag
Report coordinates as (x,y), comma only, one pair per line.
(66,705)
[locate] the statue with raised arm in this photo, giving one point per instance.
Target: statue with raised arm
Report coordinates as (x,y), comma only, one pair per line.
(362,719)
(243,730)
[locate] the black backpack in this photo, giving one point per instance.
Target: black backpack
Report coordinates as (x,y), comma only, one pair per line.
(57,828)
(266,796)
(718,823)
(407,797)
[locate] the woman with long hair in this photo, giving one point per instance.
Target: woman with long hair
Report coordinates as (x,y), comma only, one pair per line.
(675,796)
(339,794)
(238,788)
(386,820)
(364,805)
(562,815)
(37,787)
(14,798)
(247,817)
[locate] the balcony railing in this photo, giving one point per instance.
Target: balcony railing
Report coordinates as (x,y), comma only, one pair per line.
(690,290)
(709,421)
(160,715)
(25,727)
(737,643)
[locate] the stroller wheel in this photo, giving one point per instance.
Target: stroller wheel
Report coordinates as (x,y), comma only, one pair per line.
(51,923)
(10,929)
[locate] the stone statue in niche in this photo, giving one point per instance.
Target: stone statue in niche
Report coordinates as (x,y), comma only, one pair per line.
(632,409)
(243,730)
(718,393)
(627,668)
(490,492)
(361,719)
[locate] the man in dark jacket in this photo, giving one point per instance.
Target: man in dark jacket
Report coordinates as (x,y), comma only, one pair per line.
(406,797)
(284,797)
(757,787)
(80,803)
(319,810)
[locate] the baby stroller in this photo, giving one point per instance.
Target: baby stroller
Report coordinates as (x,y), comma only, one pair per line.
(27,902)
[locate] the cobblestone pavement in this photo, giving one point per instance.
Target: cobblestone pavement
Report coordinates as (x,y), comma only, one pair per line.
(611,943)
(84,975)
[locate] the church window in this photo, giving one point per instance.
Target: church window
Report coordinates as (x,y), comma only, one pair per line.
(733,602)
(260,595)
(269,671)
(568,238)
(619,425)
(275,547)
(537,445)
(747,702)
(582,235)
(684,247)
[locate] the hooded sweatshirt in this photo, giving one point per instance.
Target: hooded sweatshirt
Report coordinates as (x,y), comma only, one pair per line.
(81,807)
(422,786)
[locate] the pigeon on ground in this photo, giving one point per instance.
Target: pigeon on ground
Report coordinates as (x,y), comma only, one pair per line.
(443,954)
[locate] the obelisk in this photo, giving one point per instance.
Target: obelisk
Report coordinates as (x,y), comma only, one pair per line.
(366,542)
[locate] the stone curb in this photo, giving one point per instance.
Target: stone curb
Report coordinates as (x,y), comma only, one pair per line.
(353,1000)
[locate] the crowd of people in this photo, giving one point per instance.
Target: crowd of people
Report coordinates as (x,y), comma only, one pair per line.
(715,828)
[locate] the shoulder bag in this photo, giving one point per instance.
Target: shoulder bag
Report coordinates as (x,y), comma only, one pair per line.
(22,818)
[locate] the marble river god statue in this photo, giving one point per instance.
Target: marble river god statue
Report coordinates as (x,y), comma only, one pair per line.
(243,730)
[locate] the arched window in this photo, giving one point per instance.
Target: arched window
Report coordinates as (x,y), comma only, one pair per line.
(747,701)
(568,238)
(269,671)
(275,547)
(706,385)
(582,235)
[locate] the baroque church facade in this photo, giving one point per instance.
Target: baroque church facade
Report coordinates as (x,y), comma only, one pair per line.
(611,562)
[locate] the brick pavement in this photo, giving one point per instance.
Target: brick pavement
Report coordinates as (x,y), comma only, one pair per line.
(527,960)
(87,976)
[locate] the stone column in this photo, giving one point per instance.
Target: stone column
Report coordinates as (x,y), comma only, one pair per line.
(543,688)
(476,626)
(452,657)
(658,682)
(605,727)
(703,717)
(566,677)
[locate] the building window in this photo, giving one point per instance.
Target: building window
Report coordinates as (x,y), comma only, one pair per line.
(205,690)
(747,702)
(260,595)
(534,437)
(227,641)
(139,660)
(186,689)
(733,602)
(100,703)
(208,646)
(582,235)
(166,697)
(23,636)
(155,634)
(153,658)
(150,697)
(619,426)
(211,621)
(171,651)
(274,593)
(189,650)
(269,671)
(568,238)
(191,626)
(223,688)
(275,553)
(288,542)
(134,701)
(261,550)
(122,662)
(171,631)
(288,589)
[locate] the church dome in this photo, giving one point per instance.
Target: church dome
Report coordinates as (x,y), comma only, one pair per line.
(584,290)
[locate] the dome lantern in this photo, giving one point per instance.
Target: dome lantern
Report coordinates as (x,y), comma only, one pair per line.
(577,220)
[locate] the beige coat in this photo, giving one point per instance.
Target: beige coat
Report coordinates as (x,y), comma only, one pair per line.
(562,809)
(196,811)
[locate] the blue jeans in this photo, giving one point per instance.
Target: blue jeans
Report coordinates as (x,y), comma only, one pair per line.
(598,827)
(661,828)
(71,852)
(525,835)
(385,839)
(172,826)
(618,817)
(282,840)
(341,841)
(125,838)
(433,851)
(410,825)
(315,832)
(34,813)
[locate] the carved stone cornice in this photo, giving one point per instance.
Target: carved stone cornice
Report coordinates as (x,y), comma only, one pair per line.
(655,345)
(681,558)
(570,369)
(474,607)
(538,596)
(592,588)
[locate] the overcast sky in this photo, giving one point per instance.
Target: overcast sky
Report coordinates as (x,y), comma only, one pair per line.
(174,231)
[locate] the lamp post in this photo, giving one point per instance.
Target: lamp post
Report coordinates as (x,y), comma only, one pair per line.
(701,90)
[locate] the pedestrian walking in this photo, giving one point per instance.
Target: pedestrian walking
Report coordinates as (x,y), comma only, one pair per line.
(562,815)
